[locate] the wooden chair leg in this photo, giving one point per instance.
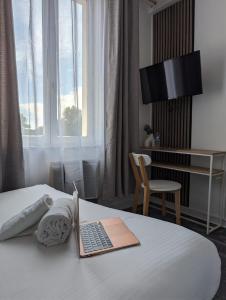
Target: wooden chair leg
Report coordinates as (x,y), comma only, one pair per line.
(136,198)
(163,204)
(146,201)
(177,207)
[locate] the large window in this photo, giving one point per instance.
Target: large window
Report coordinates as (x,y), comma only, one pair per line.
(50,39)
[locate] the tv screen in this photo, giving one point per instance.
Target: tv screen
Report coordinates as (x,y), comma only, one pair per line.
(173,78)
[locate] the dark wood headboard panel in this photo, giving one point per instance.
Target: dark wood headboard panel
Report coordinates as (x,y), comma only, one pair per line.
(173,35)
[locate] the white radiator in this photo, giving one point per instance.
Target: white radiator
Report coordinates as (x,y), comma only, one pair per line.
(56,175)
(84,173)
(91,178)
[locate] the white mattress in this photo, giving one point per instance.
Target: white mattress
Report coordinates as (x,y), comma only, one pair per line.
(171,263)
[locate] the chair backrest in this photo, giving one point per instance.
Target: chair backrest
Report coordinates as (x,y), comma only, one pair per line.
(146,158)
(138,164)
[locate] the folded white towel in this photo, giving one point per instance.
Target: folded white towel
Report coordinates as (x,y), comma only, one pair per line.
(56,225)
(24,220)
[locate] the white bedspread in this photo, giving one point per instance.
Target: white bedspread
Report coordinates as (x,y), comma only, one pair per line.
(172,262)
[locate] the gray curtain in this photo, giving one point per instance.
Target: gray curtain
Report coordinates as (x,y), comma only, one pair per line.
(122,94)
(11,152)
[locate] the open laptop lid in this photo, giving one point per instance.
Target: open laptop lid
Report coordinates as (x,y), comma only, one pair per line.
(76,216)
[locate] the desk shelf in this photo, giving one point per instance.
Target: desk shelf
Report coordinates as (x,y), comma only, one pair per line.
(188,169)
(209,172)
(192,152)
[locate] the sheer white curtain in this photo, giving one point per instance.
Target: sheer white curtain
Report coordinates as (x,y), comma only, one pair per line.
(60,65)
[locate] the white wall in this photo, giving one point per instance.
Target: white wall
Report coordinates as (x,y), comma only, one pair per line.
(209,109)
(145,35)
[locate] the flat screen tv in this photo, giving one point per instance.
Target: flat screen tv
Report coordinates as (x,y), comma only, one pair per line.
(171,79)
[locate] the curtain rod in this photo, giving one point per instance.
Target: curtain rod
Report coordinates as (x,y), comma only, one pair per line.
(151,3)
(154,2)
(158,7)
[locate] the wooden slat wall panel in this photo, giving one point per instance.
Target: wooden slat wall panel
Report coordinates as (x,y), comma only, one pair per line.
(173,35)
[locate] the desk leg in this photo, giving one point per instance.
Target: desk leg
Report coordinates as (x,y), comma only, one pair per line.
(209,196)
(222,200)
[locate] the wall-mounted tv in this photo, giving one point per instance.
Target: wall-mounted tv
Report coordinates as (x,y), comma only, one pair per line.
(171,79)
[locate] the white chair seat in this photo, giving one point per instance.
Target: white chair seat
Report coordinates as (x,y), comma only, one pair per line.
(163,186)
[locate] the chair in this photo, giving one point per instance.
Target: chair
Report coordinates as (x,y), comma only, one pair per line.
(139,162)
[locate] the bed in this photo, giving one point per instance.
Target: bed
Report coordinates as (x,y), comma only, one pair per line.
(171,263)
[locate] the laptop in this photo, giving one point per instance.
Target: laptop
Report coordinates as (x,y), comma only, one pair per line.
(101,236)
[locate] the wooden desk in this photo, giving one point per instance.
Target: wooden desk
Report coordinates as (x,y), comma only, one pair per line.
(210,172)
(195,152)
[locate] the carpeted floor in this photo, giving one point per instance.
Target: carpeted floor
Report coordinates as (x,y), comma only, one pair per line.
(218,237)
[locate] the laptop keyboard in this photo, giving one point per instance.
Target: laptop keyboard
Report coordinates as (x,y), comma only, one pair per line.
(94,237)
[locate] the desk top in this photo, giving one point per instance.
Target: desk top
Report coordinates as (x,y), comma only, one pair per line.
(197,152)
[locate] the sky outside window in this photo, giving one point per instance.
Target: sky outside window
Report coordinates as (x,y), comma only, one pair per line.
(29,56)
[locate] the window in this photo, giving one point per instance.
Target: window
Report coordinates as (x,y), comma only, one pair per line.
(29,58)
(51,68)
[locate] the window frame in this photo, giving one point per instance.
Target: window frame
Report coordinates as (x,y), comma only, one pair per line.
(50,138)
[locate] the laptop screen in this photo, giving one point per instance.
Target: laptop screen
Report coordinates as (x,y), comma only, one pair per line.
(76,217)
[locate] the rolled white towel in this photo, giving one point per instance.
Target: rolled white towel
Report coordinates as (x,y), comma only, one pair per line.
(56,225)
(24,220)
